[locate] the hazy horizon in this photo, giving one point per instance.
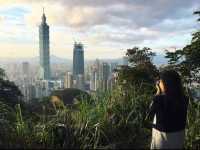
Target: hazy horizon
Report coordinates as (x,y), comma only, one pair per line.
(105,28)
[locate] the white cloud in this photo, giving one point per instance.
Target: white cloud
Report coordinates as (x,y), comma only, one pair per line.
(1,19)
(105,27)
(17,50)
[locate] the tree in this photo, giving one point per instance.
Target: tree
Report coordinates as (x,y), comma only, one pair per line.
(141,70)
(187,60)
(139,56)
(9,92)
(197,13)
(174,57)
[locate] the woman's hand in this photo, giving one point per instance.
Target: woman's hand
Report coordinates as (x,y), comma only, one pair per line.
(158,89)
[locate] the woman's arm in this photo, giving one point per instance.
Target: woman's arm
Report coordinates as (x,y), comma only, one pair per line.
(153,108)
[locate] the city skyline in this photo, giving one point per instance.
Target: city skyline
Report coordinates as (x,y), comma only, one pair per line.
(106,28)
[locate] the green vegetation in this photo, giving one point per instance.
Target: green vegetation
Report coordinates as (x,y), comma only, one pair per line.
(111,120)
(187,60)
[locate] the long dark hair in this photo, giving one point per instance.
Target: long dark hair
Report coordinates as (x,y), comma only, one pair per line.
(173,84)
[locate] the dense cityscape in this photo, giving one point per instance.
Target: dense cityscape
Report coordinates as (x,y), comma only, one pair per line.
(39,80)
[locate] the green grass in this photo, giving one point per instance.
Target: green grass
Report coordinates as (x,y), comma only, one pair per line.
(105,121)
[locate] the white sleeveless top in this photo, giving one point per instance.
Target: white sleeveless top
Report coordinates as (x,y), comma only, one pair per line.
(163,140)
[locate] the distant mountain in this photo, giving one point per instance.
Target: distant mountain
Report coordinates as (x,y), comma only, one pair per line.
(53,59)
(114,60)
(159,59)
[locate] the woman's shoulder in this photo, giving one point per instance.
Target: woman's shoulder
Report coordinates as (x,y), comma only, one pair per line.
(164,99)
(159,97)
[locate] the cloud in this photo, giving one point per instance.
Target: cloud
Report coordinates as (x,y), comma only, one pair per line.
(89,13)
(1,18)
(103,24)
(17,50)
(138,12)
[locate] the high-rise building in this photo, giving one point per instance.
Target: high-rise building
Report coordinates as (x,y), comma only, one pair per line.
(96,76)
(78,60)
(44,49)
(105,72)
(25,69)
(80,82)
(93,79)
(68,80)
(97,66)
(28,92)
(113,66)
(25,82)
(44,88)
(112,81)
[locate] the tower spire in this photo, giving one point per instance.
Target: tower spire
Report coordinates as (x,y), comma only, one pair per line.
(43,16)
(43,10)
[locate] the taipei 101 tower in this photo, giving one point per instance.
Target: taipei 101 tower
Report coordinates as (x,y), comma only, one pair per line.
(44,49)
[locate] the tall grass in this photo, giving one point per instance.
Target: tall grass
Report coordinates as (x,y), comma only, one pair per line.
(113,119)
(193,125)
(105,121)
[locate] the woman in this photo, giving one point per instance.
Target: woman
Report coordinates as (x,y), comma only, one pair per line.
(169,110)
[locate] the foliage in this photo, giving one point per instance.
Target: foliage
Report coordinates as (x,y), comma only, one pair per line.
(139,56)
(117,120)
(109,120)
(9,92)
(187,60)
(141,70)
(174,57)
(6,118)
(193,122)
(105,120)
(2,74)
(197,13)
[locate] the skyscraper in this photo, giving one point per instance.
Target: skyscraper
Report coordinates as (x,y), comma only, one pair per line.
(80,82)
(105,72)
(44,49)
(68,80)
(96,76)
(113,66)
(78,60)
(25,69)
(93,79)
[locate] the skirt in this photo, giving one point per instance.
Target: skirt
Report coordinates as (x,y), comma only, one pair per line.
(163,140)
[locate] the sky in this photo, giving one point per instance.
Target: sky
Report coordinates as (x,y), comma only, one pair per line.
(106,27)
